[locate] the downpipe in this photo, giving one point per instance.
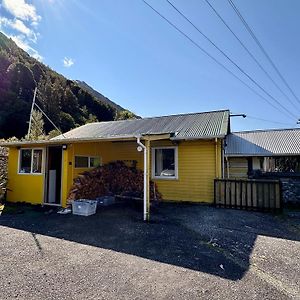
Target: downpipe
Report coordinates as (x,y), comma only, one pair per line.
(138,141)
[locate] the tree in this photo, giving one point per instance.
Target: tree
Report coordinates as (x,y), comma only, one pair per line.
(53,133)
(66,122)
(37,72)
(69,102)
(21,81)
(49,96)
(64,102)
(125,115)
(37,127)
(91,119)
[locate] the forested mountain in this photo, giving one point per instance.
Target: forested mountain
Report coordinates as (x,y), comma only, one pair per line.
(64,101)
(99,96)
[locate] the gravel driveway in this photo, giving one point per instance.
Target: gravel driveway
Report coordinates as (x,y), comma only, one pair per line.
(186,252)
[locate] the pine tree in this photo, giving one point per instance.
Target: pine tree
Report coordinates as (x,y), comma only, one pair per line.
(37,127)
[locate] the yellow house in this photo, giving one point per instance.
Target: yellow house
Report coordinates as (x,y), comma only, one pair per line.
(183,154)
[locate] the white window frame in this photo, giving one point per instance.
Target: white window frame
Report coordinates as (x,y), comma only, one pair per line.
(153,176)
(89,161)
(100,161)
(31,164)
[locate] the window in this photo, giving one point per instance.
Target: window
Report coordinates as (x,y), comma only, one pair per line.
(81,162)
(87,161)
(30,161)
(164,162)
(95,162)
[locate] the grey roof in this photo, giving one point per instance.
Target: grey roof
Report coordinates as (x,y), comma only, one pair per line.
(264,142)
(184,126)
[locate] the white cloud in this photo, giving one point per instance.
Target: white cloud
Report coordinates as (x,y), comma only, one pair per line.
(21,41)
(21,10)
(37,56)
(22,27)
(19,25)
(34,24)
(68,62)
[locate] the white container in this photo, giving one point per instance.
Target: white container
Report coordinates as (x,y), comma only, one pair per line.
(84,207)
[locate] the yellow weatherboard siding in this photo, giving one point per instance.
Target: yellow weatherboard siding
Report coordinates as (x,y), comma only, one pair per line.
(199,162)
(107,151)
(196,173)
(24,187)
(196,166)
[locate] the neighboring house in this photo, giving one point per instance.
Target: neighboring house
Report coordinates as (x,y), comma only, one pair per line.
(182,154)
(262,151)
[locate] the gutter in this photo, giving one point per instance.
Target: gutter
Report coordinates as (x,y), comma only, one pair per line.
(197,138)
(66,141)
(262,155)
(59,141)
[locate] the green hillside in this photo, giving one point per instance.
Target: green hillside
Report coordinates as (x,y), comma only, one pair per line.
(64,101)
(99,96)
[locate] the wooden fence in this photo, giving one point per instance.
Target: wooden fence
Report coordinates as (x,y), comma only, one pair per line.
(251,194)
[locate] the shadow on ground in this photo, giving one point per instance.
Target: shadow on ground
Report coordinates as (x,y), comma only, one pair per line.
(201,238)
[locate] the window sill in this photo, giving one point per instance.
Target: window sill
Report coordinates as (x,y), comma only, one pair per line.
(35,174)
(84,168)
(164,178)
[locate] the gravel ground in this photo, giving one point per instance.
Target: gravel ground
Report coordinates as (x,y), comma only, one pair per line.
(185,252)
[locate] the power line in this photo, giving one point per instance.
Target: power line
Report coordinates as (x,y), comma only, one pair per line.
(49,119)
(269,121)
(252,56)
(213,58)
(233,62)
(262,48)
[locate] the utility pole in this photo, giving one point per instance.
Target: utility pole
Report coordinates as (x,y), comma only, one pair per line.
(32,106)
(44,114)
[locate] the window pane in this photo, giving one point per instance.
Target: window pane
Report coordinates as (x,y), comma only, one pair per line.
(165,162)
(37,161)
(94,162)
(81,162)
(25,161)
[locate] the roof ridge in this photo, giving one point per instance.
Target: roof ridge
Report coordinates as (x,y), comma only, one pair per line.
(157,117)
(188,114)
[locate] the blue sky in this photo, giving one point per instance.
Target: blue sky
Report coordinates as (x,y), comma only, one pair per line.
(128,53)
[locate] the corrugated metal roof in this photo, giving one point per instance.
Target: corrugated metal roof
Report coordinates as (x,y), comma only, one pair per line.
(263,143)
(185,126)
